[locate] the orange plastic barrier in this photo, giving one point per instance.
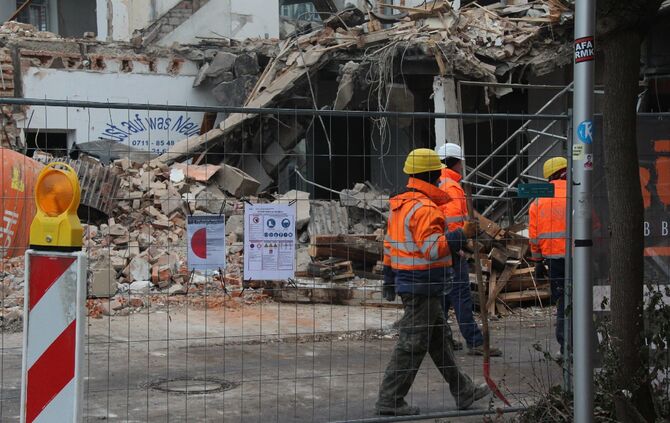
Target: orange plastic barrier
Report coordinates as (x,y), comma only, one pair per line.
(17,205)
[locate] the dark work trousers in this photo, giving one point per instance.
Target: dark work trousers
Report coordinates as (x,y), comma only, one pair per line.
(557,278)
(423,329)
(461,299)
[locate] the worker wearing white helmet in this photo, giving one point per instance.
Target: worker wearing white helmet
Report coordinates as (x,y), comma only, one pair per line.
(456,214)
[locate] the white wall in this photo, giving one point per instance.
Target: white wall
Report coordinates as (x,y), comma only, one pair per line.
(231,18)
(238,19)
(129,15)
(150,131)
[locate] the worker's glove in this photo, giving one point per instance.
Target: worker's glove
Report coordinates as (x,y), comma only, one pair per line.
(388,289)
(388,292)
(540,270)
(471,228)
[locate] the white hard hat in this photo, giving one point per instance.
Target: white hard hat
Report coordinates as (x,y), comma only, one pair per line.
(450,150)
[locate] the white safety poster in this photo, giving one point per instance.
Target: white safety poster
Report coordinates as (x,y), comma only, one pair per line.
(206,242)
(269,241)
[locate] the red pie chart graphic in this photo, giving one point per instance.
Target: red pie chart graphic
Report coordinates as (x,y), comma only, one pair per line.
(199,243)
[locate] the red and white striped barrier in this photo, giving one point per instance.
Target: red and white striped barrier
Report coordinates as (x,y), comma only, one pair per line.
(53,333)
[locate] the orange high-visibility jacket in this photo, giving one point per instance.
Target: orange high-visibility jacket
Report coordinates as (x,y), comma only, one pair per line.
(456,209)
(415,235)
(547,226)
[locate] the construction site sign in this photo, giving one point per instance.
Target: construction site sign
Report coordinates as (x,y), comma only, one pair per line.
(269,242)
(206,242)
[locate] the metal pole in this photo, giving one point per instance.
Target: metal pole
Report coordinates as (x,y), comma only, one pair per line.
(567,281)
(582,242)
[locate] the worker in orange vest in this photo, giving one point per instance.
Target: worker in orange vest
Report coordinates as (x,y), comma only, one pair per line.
(456,215)
(547,233)
(417,266)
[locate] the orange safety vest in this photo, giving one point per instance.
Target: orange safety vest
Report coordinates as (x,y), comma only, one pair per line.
(415,238)
(456,209)
(547,226)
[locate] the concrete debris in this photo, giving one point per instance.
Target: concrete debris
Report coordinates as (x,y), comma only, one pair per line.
(236,182)
(102,282)
(233,93)
(328,217)
(138,269)
(140,287)
(345,90)
(246,64)
(364,196)
(302,205)
(222,62)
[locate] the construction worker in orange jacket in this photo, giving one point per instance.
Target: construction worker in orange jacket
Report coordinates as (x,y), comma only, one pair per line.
(417,266)
(547,233)
(456,215)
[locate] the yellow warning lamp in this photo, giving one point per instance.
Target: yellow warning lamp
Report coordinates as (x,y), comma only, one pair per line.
(56,225)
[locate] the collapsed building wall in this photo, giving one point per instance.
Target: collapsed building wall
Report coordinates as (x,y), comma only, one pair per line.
(358,62)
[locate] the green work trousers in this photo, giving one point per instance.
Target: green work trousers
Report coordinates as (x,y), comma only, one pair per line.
(423,329)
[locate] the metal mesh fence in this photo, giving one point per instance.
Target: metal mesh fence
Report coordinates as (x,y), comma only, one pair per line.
(166,342)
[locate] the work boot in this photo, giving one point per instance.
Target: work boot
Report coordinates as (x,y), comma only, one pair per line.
(402,409)
(479,392)
(479,350)
(456,345)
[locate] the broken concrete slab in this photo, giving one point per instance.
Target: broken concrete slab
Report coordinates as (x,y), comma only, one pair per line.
(302,205)
(102,283)
(346,88)
(201,76)
(328,217)
(272,157)
(234,93)
(236,182)
(246,64)
(289,134)
(211,200)
(140,287)
(139,269)
(222,62)
(252,166)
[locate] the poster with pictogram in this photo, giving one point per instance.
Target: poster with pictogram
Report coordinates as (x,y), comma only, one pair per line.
(206,242)
(269,242)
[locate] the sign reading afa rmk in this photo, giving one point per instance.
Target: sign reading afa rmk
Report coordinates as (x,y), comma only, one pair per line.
(584,49)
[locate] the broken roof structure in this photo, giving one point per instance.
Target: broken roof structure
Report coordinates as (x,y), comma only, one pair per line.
(492,43)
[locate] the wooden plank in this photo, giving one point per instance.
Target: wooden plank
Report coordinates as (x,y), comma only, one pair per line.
(492,290)
(524,271)
(498,258)
(528,295)
(488,226)
(350,247)
(501,282)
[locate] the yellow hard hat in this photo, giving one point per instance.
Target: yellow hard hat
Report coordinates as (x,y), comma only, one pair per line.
(553,165)
(422,160)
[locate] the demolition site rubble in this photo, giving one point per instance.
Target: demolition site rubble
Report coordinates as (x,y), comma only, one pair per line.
(136,217)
